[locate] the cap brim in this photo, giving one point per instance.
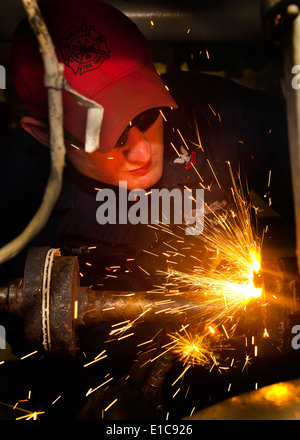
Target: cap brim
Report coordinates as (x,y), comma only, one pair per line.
(122,100)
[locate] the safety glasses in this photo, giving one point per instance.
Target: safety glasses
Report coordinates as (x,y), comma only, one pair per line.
(143,122)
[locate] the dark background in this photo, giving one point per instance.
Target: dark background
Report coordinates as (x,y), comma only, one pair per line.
(221,37)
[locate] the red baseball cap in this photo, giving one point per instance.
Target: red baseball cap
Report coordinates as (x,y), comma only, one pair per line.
(106,58)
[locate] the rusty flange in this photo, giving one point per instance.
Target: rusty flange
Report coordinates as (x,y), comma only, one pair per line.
(31,306)
(64,294)
(49,294)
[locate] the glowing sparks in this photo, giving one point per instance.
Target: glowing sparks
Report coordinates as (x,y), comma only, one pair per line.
(92,390)
(29,414)
(28,355)
(54,401)
(32,416)
(232,277)
(226,290)
(192,349)
(75,309)
(111,404)
(220,289)
(97,358)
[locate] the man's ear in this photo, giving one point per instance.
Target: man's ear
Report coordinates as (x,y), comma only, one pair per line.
(38,129)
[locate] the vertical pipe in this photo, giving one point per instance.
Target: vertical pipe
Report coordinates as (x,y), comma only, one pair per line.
(292,95)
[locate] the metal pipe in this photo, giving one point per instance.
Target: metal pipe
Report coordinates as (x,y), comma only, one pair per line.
(54,305)
(114,306)
(292,58)
(209,21)
(110,306)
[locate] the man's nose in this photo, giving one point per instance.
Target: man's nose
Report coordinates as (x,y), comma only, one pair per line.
(138,148)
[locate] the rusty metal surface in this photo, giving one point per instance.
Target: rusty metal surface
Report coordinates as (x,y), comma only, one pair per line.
(31,307)
(11,297)
(280,401)
(64,288)
(158,373)
(112,306)
(24,298)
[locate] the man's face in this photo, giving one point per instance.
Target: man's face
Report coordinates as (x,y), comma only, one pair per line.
(139,161)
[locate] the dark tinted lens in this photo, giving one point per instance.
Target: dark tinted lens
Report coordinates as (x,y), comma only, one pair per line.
(143,121)
(123,138)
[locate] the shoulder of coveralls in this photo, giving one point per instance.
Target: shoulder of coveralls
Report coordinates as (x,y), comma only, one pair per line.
(200,98)
(252,131)
(195,86)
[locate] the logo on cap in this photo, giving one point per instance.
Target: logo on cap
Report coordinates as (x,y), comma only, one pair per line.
(83,49)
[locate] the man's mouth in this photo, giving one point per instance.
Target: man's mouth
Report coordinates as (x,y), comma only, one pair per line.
(143,169)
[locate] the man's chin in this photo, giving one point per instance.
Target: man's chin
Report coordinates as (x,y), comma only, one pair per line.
(144,182)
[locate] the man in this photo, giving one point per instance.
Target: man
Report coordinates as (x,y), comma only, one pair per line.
(150,138)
